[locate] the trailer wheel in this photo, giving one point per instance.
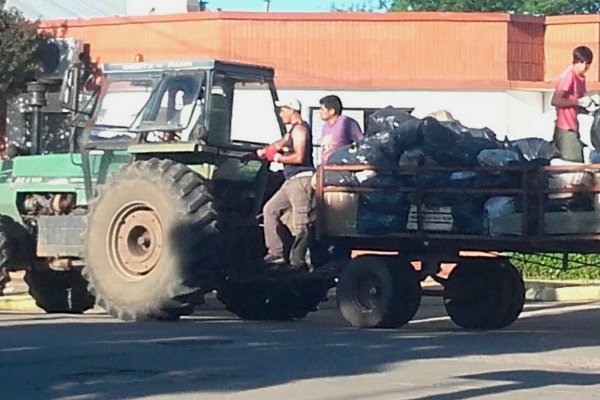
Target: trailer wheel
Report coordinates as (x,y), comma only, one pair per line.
(271,300)
(517,297)
(484,293)
(378,292)
(151,241)
(59,291)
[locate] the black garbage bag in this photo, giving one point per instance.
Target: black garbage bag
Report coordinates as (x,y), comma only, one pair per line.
(497,158)
(533,149)
(414,157)
(371,151)
(595,130)
(376,223)
(379,179)
(387,119)
(483,133)
(384,202)
(468,216)
(345,155)
(386,144)
(407,135)
(340,178)
(467,148)
(595,157)
(438,141)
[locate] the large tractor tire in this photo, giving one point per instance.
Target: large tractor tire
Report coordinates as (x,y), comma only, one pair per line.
(59,291)
(378,292)
(273,300)
(151,242)
(484,293)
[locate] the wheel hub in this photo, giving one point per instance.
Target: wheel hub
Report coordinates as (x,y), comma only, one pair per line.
(369,292)
(136,240)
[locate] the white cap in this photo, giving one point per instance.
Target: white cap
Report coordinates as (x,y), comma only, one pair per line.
(293,104)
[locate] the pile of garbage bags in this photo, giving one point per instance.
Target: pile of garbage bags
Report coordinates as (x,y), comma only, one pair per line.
(437,154)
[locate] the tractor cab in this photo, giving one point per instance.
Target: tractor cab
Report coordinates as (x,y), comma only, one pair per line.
(206,114)
(209,103)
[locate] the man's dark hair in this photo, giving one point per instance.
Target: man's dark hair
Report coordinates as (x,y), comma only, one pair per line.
(333,103)
(582,54)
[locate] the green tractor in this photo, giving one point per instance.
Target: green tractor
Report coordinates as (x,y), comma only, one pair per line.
(156,203)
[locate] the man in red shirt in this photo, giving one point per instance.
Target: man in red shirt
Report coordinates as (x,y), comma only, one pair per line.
(568,97)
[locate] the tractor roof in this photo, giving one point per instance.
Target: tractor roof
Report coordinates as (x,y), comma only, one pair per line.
(227,67)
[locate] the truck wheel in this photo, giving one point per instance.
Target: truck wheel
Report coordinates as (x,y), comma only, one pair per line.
(59,291)
(151,241)
(271,300)
(484,293)
(516,298)
(378,292)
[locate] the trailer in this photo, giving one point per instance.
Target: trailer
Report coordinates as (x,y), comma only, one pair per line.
(484,290)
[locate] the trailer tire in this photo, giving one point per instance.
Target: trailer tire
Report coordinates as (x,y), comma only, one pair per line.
(151,242)
(271,300)
(517,297)
(378,292)
(59,291)
(484,293)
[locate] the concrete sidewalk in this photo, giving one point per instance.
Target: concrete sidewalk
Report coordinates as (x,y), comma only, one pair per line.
(17,298)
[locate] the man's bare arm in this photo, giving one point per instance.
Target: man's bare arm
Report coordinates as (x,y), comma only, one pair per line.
(561,99)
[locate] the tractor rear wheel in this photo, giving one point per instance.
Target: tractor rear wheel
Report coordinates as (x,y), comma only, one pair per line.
(273,300)
(59,291)
(151,241)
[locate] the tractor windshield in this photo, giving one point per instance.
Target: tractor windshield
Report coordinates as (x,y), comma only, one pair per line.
(121,101)
(173,104)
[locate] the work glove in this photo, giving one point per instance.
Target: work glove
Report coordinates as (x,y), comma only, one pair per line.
(272,154)
(261,152)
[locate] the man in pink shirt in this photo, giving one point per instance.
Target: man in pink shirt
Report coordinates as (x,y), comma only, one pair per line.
(568,97)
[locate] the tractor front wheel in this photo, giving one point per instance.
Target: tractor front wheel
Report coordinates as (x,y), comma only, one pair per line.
(151,241)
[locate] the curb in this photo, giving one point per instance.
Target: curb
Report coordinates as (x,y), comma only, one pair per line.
(18,302)
(561,291)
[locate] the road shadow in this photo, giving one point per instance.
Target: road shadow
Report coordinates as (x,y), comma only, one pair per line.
(97,357)
(515,381)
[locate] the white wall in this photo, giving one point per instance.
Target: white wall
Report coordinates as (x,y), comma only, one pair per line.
(514,113)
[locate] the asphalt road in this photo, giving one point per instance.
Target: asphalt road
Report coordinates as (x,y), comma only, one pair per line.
(551,352)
